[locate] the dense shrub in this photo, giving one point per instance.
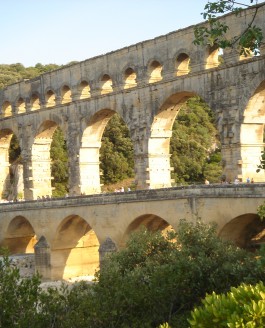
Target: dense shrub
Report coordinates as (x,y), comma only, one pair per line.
(243,306)
(157,279)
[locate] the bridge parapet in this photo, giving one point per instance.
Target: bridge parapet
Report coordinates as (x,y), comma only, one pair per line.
(196,191)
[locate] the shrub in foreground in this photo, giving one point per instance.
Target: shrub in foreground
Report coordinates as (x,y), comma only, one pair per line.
(243,306)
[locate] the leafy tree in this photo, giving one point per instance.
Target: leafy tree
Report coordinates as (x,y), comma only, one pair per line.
(193,156)
(59,165)
(19,298)
(16,72)
(214,34)
(116,152)
(240,307)
(157,279)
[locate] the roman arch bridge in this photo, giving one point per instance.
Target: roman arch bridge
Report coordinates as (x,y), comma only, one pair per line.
(70,236)
(146,84)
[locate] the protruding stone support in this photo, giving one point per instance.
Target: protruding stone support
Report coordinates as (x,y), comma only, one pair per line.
(107,247)
(4,171)
(159,171)
(89,169)
(43,258)
(73,146)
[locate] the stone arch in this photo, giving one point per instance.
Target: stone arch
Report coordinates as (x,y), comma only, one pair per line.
(20,106)
(182,64)
(20,237)
(66,94)
(155,71)
(84,90)
(151,222)
(89,152)
(252,136)
(5,185)
(159,141)
(246,231)
(35,101)
(6,109)
(106,84)
(41,160)
(129,78)
(74,251)
(50,98)
(212,57)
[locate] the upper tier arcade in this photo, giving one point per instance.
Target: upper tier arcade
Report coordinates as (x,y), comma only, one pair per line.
(146,84)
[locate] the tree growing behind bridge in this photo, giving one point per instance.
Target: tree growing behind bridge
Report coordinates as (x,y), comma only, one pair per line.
(195,145)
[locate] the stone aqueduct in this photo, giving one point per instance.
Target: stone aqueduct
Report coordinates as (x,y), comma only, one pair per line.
(146,84)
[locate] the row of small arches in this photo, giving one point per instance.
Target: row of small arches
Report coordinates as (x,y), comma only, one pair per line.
(66,95)
(84,90)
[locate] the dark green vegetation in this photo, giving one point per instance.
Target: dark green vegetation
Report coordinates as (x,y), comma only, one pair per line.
(16,72)
(116,152)
(194,144)
(154,280)
(59,165)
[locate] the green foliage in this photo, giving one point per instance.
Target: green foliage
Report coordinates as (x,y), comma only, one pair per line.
(14,149)
(261,211)
(19,298)
(243,306)
(214,34)
(16,72)
(59,166)
(116,152)
(156,279)
(193,136)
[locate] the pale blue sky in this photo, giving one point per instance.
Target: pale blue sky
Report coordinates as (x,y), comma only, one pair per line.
(60,31)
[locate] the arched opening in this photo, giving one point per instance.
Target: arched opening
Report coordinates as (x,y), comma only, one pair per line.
(117,157)
(59,164)
(129,78)
(252,137)
(114,149)
(246,231)
(182,64)
(195,146)
(50,98)
(11,171)
(20,237)
(212,59)
(74,251)
(35,102)
(89,152)
(191,139)
(6,109)
(66,94)
(21,106)
(155,72)
(84,90)
(151,222)
(106,84)
(44,158)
